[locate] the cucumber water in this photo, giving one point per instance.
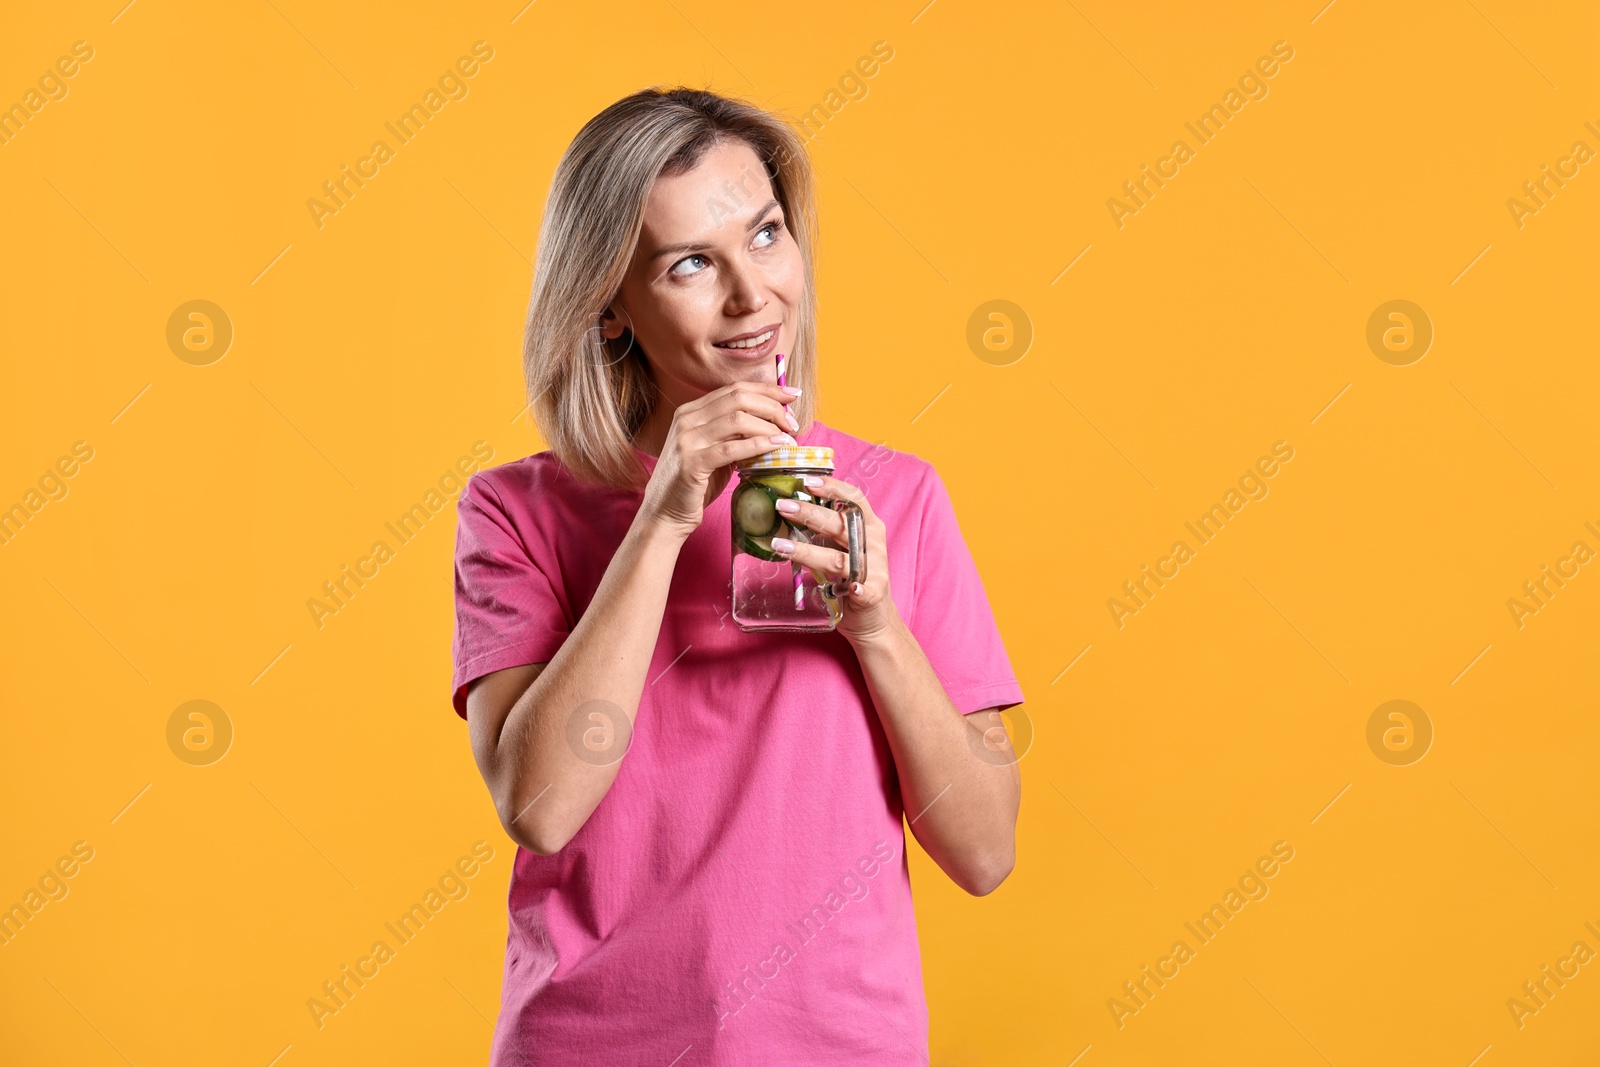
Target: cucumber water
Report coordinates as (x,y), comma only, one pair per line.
(756,519)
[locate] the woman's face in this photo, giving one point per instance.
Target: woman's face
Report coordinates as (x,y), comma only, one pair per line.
(714,290)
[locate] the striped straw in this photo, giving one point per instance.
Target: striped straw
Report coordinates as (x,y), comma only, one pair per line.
(799,593)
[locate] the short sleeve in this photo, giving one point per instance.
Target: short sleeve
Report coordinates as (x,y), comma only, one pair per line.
(950,616)
(507,612)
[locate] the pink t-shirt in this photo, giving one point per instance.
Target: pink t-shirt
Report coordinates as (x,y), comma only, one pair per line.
(740,895)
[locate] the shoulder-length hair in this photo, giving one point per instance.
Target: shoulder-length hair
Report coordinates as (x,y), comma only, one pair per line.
(590,395)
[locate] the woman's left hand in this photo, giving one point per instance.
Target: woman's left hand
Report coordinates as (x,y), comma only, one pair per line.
(868,610)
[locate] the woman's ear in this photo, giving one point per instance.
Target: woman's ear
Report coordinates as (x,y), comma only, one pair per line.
(611,325)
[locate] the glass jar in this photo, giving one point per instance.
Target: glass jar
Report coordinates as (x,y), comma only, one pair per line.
(771,593)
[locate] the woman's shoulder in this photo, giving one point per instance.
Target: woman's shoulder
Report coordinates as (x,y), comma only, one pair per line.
(873,465)
(520,484)
(529,470)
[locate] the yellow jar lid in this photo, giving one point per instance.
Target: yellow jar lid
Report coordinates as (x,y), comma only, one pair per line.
(789,456)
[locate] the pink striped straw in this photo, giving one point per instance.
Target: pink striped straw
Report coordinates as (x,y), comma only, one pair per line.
(799,593)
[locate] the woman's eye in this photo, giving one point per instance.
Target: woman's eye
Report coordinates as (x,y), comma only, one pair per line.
(770,228)
(678,267)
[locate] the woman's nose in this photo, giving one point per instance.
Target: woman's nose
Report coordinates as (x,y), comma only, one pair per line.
(745,290)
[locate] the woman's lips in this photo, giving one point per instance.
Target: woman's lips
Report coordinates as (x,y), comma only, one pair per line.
(764,350)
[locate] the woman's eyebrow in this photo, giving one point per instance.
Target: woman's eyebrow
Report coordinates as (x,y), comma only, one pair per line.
(755,221)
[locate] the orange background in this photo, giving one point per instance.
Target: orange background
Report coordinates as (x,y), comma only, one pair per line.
(1229,313)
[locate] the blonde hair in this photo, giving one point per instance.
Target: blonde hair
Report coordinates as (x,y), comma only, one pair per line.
(590,395)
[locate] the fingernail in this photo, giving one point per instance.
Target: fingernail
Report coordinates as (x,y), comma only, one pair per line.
(794,423)
(783,439)
(788,507)
(782,546)
(792,390)
(813,482)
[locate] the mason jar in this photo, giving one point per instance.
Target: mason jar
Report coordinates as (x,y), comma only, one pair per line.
(771,593)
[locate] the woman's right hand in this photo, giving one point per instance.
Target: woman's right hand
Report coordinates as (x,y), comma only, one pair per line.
(738,421)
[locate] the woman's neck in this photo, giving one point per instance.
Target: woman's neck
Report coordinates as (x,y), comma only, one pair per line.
(651,436)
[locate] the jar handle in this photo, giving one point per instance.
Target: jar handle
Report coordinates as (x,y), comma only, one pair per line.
(855,530)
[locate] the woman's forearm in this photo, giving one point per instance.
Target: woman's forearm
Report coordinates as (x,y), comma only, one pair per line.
(962,808)
(560,748)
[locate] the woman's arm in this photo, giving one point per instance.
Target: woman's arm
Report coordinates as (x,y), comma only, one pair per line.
(524,720)
(962,808)
(519,717)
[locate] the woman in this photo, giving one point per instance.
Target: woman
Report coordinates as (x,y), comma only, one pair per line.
(712,866)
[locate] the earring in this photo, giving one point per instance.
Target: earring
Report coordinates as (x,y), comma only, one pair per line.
(600,342)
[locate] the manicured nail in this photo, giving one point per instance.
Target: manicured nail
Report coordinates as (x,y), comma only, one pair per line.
(782,546)
(813,482)
(794,423)
(788,507)
(783,439)
(792,390)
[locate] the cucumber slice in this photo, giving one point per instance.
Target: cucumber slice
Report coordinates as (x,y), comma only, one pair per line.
(782,484)
(755,511)
(760,546)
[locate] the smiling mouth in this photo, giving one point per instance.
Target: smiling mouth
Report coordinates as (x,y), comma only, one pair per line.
(749,340)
